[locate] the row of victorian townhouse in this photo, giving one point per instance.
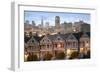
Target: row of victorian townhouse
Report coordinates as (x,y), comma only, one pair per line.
(54,44)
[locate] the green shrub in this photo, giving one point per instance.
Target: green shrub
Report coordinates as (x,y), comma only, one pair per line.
(74,55)
(88,54)
(32,58)
(47,56)
(60,55)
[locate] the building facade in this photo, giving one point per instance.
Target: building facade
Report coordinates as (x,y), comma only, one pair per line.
(54,44)
(45,47)
(71,44)
(32,47)
(84,43)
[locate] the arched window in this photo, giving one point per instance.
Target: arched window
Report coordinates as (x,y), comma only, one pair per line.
(47,46)
(32,40)
(58,38)
(56,45)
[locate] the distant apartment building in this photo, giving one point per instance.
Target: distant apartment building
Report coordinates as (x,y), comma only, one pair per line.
(63,28)
(66,27)
(81,27)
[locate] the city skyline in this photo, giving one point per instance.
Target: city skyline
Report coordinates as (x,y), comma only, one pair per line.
(36,16)
(48,37)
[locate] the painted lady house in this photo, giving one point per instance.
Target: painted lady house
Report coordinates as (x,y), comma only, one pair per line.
(32,49)
(58,46)
(46,48)
(85,44)
(71,44)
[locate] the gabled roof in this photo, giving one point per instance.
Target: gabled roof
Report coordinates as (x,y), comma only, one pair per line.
(64,36)
(32,40)
(54,37)
(45,37)
(71,37)
(79,34)
(51,37)
(75,36)
(58,37)
(36,39)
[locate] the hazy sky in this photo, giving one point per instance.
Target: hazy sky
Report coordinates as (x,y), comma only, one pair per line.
(50,17)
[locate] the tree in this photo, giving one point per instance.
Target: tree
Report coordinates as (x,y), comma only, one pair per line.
(88,54)
(60,55)
(29,58)
(74,55)
(47,56)
(32,57)
(85,55)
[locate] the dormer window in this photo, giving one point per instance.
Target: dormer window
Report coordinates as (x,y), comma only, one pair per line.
(58,38)
(32,41)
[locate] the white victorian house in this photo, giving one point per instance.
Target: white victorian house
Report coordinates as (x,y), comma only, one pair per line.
(71,44)
(46,46)
(84,43)
(33,46)
(59,44)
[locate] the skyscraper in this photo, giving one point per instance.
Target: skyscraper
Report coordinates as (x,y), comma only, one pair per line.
(57,22)
(27,22)
(47,24)
(42,22)
(33,23)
